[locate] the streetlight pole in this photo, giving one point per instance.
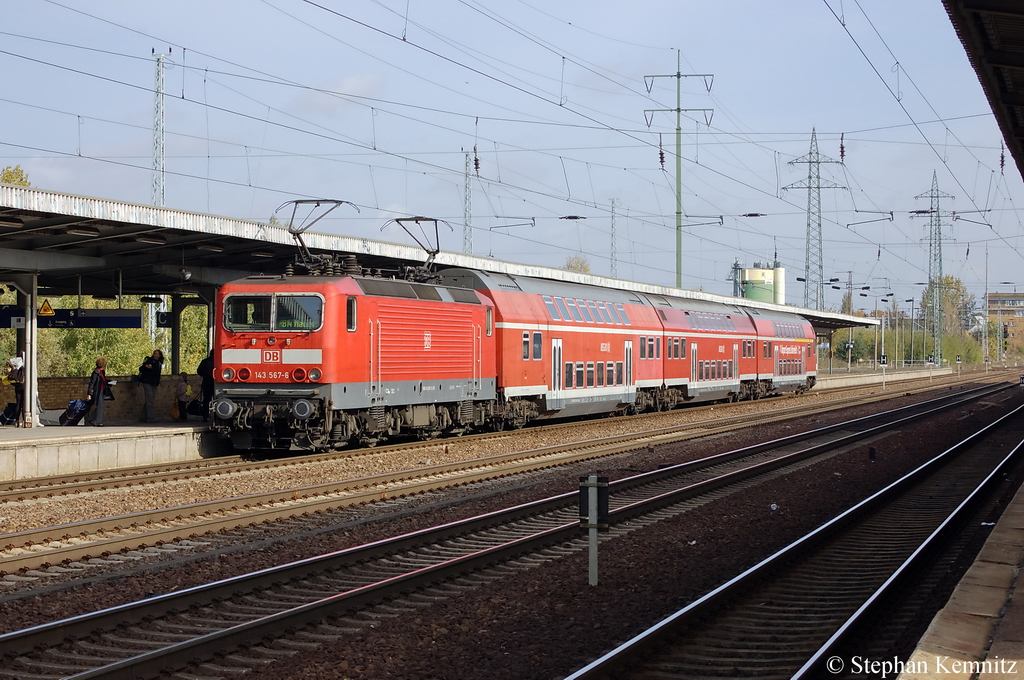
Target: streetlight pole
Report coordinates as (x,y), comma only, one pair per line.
(911,301)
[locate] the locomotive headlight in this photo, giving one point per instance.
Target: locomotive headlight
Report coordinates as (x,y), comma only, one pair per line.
(224,408)
(271,340)
(314,374)
(302,409)
(228,373)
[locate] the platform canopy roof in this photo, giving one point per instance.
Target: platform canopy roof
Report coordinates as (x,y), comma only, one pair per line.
(100,247)
(992,33)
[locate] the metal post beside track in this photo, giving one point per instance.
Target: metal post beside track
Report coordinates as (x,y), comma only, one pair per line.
(593,515)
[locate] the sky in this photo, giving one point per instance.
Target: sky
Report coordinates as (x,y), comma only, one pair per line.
(382,103)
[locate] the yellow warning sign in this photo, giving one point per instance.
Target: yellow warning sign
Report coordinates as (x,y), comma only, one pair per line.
(46,309)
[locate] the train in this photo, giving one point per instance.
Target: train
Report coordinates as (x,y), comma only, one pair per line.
(326,359)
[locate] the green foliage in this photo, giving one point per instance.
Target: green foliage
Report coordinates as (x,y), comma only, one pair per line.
(14,175)
(578,263)
(73,351)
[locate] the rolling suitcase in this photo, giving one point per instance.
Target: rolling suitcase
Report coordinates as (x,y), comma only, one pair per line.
(73,414)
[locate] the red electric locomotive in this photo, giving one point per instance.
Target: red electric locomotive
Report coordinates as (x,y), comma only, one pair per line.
(313,362)
(316,362)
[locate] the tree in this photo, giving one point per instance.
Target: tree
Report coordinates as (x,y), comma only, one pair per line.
(957,305)
(578,263)
(73,351)
(14,175)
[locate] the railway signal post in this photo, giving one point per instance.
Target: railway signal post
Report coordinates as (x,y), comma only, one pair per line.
(593,515)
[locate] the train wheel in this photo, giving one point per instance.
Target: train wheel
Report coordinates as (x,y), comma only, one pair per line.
(498,425)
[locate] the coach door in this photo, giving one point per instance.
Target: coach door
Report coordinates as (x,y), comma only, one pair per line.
(556,373)
(628,359)
(695,375)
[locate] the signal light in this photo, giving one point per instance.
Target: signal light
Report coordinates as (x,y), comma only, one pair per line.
(299,374)
(243,374)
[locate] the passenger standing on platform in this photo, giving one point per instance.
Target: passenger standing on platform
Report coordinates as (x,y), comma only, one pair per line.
(205,371)
(149,376)
(94,394)
(16,377)
(182,391)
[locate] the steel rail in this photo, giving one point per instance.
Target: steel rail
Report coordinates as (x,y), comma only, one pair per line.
(611,664)
(168,524)
(82,626)
(98,480)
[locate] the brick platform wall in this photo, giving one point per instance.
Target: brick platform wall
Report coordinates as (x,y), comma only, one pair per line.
(55,393)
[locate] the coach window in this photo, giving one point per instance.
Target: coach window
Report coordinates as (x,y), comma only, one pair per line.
(563,309)
(572,309)
(657,348)
(579,374)
(682,348)
(568,375)
(615,315)
(600,374)
(643,348)
(611,373)
(584,311)
(526,345)
(618,372)
(597,314)
(622,313)
(590,374)
(538,345)
(650,347)
(490,321)
(350,314)
(552,310)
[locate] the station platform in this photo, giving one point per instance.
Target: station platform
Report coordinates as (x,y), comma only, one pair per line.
(43,451)
(843,378)
(980,632)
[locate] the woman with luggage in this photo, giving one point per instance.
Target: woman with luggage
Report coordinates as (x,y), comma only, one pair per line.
(96,391)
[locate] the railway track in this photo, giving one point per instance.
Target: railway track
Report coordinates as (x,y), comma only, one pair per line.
(127,477)
(40,548)
(327,597)
(800,612)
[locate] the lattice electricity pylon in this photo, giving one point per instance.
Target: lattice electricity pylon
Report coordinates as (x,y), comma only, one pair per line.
(814,277)
(935,276)
(467,209)
(158,131)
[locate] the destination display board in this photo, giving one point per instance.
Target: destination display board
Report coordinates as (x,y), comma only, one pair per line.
(14,317)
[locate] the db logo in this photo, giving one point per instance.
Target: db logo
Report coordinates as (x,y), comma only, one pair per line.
(426,340)
(271,356)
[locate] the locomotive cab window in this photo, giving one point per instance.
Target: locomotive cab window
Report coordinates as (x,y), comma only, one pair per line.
(298,312)
(247,313)
(281,312)
(350,314)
